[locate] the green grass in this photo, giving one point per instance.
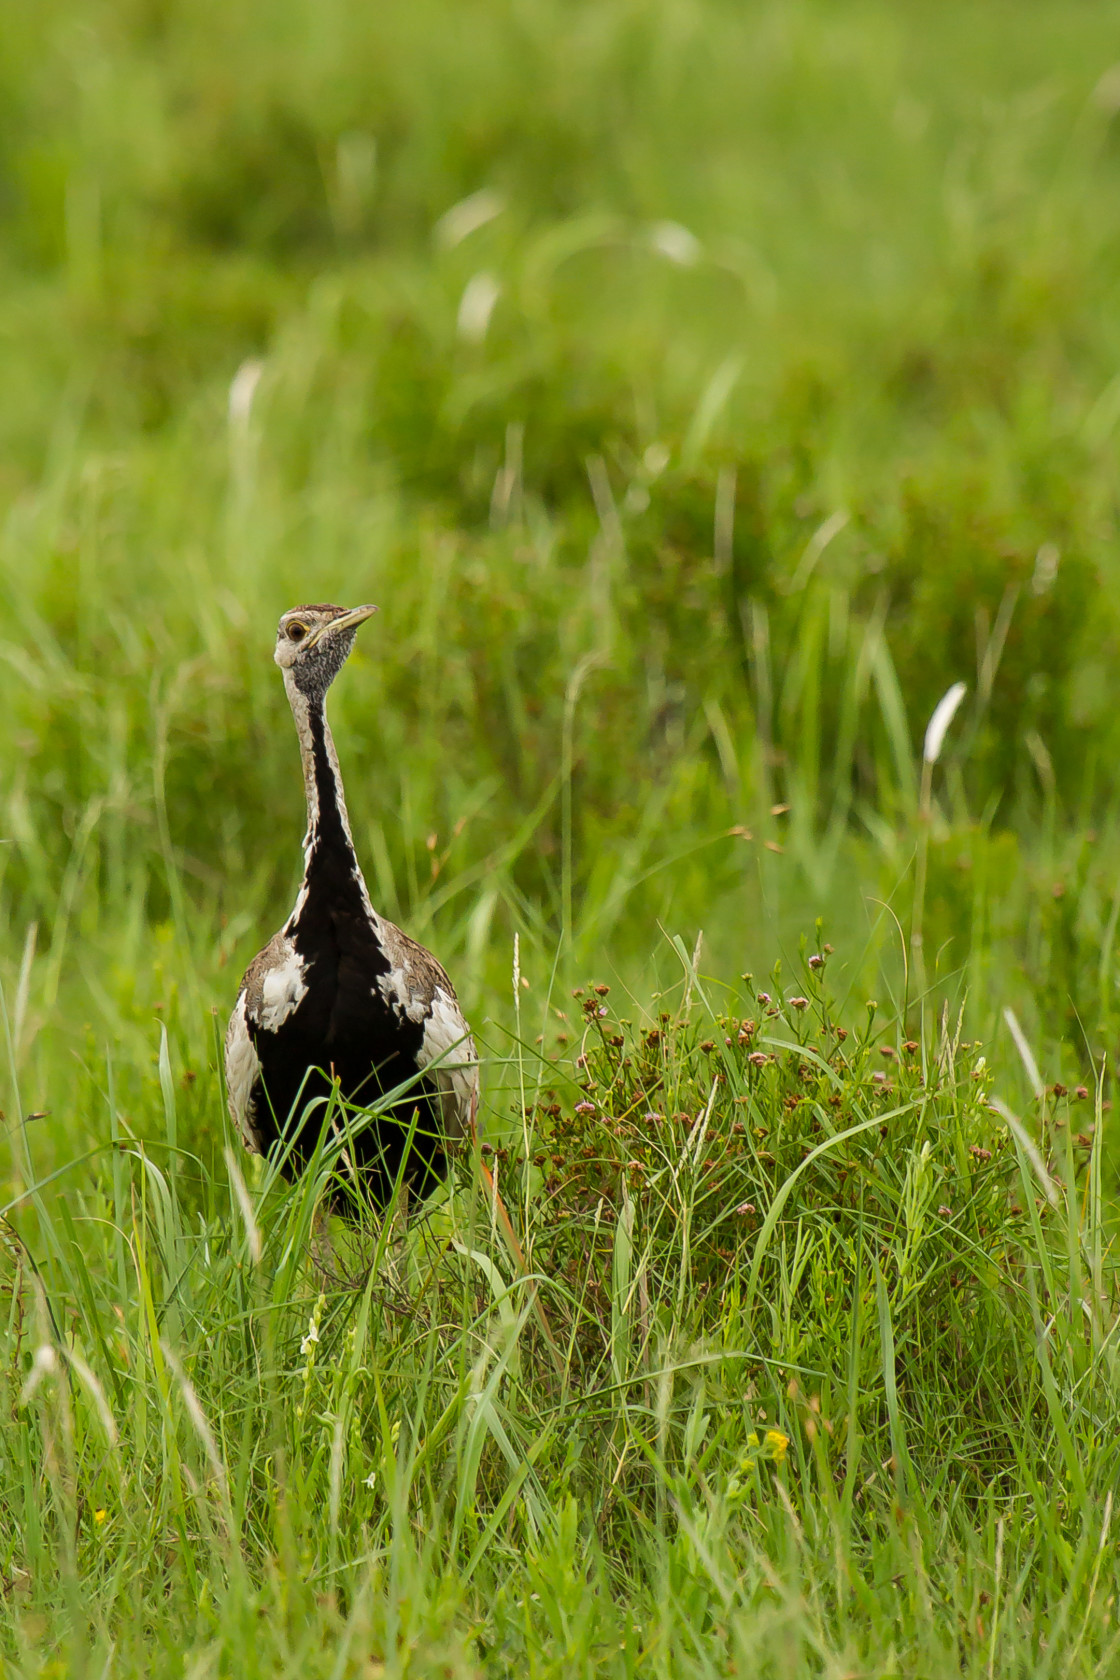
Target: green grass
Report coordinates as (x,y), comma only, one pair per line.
(700,389)
(825,1378)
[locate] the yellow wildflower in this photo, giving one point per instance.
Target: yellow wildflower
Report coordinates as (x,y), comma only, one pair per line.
(777,1445)
(773,1445)
(100,1515)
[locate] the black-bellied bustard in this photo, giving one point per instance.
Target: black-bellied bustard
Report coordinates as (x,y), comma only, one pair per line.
(340,997)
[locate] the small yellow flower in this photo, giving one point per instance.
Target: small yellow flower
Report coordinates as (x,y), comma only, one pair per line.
(777,1445)
(100,1515)
(773,1445)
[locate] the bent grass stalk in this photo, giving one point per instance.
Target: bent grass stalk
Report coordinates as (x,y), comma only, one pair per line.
(936,730)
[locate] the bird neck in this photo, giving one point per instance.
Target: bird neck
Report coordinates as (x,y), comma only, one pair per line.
(328,825)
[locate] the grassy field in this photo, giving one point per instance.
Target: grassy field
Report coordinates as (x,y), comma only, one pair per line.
(701,389)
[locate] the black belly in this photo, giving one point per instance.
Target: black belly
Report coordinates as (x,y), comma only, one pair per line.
(343,1031)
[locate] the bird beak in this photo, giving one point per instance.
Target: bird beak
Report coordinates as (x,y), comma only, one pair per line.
(349,621)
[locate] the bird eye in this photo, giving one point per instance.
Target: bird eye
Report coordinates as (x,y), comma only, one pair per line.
(296,632)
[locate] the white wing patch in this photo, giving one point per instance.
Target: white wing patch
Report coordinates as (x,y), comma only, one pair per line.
(242,1069)
(447,1040)
(394,989)
(283,988)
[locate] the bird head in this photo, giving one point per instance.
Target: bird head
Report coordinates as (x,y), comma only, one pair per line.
(313,643)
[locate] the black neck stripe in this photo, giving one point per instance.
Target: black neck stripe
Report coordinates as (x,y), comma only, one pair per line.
(328,828)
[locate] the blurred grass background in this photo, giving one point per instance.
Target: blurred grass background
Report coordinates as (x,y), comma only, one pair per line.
(700,388)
